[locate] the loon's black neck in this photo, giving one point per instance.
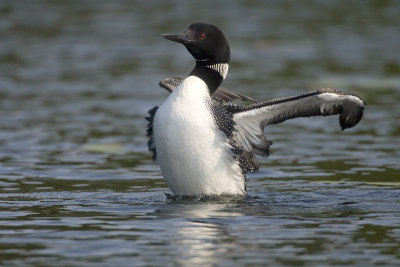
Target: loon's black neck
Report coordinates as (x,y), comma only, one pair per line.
(211,74)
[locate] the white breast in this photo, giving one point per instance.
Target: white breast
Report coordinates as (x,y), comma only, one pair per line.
(193,154)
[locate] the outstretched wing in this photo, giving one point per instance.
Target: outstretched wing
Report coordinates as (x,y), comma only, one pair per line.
(251,120)
(221,94)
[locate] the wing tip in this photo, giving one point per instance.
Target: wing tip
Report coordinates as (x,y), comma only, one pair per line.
(352,109)
(348,120)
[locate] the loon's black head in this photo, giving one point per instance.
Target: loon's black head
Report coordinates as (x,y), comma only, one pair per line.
(209,47)
(205,42)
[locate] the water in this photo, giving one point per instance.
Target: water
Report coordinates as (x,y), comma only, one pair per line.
(78,187)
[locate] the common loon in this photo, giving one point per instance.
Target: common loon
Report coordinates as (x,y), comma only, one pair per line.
(204,144)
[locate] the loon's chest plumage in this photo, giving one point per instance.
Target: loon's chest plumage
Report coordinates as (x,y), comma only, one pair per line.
(194,155)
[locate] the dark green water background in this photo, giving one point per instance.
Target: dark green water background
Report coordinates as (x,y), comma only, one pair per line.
(78,187)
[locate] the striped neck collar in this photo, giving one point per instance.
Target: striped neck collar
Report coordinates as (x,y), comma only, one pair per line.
(221,68)
(211,74)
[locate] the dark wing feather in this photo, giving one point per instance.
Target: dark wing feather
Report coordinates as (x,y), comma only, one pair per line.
(227,95)
(150,134)
(221,94)
(170,83)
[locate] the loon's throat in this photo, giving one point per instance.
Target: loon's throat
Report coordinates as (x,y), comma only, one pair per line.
(211,74)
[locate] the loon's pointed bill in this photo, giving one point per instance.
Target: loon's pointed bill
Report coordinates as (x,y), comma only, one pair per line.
(179,38)
(203,143)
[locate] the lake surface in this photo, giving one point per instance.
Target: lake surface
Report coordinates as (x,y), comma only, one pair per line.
(78,187)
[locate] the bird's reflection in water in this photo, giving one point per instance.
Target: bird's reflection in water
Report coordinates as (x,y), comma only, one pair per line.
(203,235)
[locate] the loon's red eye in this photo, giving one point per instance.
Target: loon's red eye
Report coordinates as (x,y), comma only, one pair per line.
(203,36)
